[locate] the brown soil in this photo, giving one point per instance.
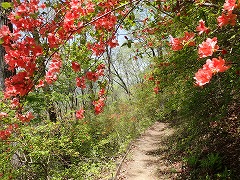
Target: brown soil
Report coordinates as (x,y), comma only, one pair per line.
(147,158)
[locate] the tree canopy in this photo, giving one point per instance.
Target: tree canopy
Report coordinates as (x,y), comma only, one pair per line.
(61,57)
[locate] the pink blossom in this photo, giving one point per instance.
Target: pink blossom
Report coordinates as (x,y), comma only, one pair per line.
(208,47)
(80,114)
(3,115)
(226,19)
(229,5)
(202,28)
(203,76)
(176,43)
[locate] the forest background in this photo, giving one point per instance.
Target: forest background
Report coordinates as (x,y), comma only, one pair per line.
(81,79)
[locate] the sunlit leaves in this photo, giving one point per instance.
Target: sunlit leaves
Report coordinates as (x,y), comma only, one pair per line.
(6,5)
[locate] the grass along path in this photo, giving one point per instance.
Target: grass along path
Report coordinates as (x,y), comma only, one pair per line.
(147,158)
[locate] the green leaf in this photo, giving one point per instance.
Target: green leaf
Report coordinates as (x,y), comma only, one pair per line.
(1,41)
(6,5)
(129,44)
(124,44)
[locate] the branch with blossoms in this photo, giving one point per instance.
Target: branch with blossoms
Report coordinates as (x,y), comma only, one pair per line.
(212,67)
(208,47)
(33,46)
(97,48)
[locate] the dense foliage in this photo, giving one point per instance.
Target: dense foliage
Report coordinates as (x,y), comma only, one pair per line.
(64,72)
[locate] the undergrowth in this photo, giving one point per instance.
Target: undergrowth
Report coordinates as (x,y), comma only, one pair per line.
(207,123)
(77,149)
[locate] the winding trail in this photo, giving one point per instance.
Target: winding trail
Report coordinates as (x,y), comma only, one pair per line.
(147,159)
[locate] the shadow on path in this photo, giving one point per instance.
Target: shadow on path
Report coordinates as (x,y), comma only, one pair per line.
(148,159)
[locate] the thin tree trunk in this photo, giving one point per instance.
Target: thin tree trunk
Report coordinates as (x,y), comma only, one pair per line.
(52,112)
(2,65)
(51,109)
(4,72)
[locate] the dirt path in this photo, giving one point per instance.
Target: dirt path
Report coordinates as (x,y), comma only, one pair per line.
(147,158)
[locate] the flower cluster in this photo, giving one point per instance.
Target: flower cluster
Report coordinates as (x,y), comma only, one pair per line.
(23,15)
(211,67)
(53,69)
(6,133)
(32,44)
(25,117)
(90,75)
(178,43)
(227,16)
(80,114)
(98,105)
(202,28)
(107,22)
(18,85)
(80,82)
(101,92)
(208,47)
(156,89)
(22,55)
(97,48)
(94,75)
(76,67)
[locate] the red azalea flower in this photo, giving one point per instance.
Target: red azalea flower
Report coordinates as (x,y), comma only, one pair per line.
(216,65)
(151,78)
(176,43)
(92,76)
(113,42)
(202,28)
(156,89)
(101,92)
(188,39)
(4,134)
(53,40)
(15,103)
(203,76)
(25,118)
(226,19)
(19,84)
(76,67)
(4,31)
(229,5)
(40,84)
(81,82)
(98,105)
(80,114)
(208,47)
(53,69)
(3,115)
(211,67)
(100,70)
